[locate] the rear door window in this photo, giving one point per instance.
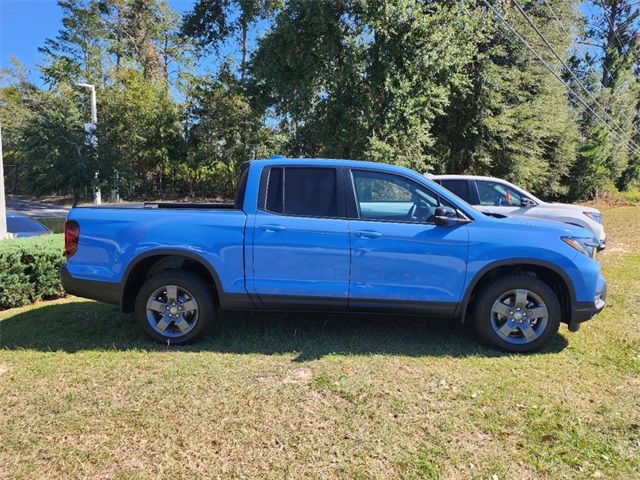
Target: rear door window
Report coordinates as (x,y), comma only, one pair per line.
(303,191)
(458,187)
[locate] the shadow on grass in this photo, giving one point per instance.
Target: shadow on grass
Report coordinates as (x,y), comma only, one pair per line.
(86,325)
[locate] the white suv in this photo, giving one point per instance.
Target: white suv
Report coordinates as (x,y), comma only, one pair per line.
(492,195)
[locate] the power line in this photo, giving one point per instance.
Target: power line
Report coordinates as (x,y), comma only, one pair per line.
(575,77)
(584,57)
(557,20)
(551,70)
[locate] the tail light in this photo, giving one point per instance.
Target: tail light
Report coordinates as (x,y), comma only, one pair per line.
(71,234)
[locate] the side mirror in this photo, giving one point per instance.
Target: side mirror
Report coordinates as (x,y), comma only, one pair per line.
(527,202)
(445,216)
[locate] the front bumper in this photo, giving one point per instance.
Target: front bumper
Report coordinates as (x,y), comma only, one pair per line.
(583,311)
(603,244)
(107,292)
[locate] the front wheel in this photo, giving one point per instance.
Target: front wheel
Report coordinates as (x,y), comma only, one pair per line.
(174,306)
(517,312)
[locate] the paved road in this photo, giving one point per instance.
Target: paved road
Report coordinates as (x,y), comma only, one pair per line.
(36,209)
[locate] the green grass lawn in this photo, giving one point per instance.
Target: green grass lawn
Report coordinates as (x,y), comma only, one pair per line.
(85,395)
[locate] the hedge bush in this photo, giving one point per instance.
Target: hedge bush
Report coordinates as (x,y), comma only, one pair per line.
(29,270)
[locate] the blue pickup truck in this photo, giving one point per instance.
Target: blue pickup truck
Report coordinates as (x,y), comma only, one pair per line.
(341,236)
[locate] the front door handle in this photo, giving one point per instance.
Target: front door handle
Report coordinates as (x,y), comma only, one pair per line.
(271,228)
(368,234)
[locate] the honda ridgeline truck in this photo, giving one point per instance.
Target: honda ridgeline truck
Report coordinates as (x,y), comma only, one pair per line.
(339,236)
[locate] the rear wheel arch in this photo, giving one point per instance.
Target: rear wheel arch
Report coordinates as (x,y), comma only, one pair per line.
(548,273)
(152,263)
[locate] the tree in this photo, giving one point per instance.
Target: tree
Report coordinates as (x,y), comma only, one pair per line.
(362,79)
(147,33)
(77,53)
(139,133)
(510,117)
(212,22)
(51,139)
(100,36)
(611,31)
(223,131)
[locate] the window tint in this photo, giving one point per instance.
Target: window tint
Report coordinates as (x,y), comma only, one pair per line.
(22,224)
(497,194)
(275,192)
(311,192)
(308,192)
(384,196)
(458,187)
(242,186)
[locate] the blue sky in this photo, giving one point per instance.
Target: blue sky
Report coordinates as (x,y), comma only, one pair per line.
(25,24)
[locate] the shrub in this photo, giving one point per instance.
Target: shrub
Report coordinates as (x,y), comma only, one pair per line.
(29,270)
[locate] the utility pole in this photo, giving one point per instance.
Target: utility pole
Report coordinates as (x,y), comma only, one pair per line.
(3,206)
(91,133)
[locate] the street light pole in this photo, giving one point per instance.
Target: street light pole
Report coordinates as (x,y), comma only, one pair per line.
(91,129)
(3,206)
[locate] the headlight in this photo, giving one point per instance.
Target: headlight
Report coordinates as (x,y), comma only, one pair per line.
(586,246)
(595,216)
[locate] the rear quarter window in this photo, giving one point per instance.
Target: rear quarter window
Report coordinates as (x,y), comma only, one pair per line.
(458,187)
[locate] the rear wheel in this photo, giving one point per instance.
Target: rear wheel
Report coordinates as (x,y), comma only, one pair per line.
(517,312)
(175,306)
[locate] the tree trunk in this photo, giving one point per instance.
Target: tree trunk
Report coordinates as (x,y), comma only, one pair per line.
(243,67)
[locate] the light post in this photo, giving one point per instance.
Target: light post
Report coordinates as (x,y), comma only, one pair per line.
(3,206)
(91,133)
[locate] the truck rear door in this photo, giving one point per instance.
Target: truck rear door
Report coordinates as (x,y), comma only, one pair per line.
(300,242)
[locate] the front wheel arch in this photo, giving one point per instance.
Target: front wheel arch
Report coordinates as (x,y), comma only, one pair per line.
(548,273)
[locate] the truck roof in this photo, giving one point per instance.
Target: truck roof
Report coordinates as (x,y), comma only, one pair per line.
(277,160)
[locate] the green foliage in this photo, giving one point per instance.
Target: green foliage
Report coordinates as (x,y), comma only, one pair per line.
(139,134)
(223,132)
(213,22)
(50,137)
(29,270)
(362,79)
(510,117)
(591,171)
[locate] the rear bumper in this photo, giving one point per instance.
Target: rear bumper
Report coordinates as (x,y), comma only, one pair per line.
(107,292)
(583,311)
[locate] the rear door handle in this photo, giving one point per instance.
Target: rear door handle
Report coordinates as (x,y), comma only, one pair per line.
(271,228)
(368,234)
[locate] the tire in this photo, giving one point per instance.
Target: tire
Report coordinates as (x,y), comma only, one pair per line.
(530,315)
(175,306)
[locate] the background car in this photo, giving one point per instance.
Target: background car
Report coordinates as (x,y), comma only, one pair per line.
(493,195)
(20,226)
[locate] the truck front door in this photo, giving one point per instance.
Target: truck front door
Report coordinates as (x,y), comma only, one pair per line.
(400,259)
